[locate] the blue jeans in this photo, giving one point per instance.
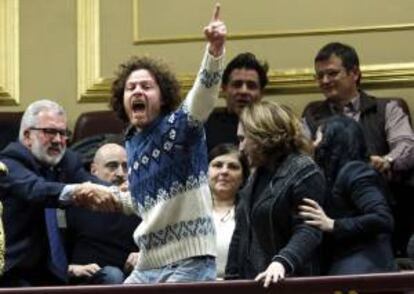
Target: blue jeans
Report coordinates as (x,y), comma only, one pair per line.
(199,268)
(108,275)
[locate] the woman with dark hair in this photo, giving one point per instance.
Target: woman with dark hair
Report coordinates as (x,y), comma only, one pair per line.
(227,171)
(271,240)
(358,221)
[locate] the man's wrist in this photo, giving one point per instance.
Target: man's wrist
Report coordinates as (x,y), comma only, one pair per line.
(65,196)
(71,270)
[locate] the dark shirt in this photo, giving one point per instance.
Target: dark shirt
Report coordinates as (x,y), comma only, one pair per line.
(221,127)
(97,237)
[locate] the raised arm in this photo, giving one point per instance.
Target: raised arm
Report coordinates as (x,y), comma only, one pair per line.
(215,33)
(201,99)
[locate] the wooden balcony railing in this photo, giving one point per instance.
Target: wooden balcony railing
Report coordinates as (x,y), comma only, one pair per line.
(402,282)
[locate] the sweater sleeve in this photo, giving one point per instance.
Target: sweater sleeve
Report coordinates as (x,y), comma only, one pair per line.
(201,98)
(125,200)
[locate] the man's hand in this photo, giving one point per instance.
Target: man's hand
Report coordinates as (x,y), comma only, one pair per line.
(381,163)
(275,272)
(215,33)
(87,270)
(124,186)
(95,197)
(131,261)
(3,169)
(315,216)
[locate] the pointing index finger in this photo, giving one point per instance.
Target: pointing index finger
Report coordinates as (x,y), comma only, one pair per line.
(216,14)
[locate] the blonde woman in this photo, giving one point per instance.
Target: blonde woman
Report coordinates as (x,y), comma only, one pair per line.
(271,240)
(227,172)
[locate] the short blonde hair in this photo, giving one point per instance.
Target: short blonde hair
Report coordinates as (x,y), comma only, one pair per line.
(275,129)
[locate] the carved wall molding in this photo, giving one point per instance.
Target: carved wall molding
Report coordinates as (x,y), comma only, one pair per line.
(9,52)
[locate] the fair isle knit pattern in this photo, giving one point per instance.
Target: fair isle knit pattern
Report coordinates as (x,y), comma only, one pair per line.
(159,175)
(168,179)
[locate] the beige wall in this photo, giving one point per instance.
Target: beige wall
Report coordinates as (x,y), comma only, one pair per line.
(68,49)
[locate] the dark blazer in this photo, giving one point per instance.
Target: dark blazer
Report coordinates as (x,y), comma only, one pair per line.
(25,192)
(360,241)
(268,227)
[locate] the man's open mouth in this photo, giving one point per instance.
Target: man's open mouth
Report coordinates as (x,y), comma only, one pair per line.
(138,106)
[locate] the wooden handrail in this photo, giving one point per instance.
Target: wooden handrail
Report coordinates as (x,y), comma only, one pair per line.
(370,283)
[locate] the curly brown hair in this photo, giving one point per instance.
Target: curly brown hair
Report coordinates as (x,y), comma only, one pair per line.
(166,80)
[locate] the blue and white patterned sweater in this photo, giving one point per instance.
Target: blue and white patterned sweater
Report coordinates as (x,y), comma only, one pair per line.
(168,178)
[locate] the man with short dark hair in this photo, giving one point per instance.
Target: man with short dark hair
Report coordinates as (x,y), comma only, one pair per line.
(243,82)
(386,126)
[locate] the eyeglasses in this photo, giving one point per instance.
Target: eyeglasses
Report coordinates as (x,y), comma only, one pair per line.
(330,74)
(51,132)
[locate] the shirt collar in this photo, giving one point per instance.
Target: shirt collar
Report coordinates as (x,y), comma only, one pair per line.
(353,105)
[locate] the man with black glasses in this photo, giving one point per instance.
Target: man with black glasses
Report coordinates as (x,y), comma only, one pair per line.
(43,175)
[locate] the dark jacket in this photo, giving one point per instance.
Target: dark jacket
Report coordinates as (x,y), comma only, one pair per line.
(221,127)
(360,241)
(268,227)
(98,237)
(25,192)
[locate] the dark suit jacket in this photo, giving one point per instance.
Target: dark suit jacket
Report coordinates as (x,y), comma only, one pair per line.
(25,192)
